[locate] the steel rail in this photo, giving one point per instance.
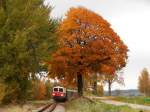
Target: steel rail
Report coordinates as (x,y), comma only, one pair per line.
(48,108)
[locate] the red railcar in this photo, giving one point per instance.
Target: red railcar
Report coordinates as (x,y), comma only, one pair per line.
(62,94)
(59,93)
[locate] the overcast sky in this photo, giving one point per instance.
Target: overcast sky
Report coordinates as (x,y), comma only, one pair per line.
(130,19)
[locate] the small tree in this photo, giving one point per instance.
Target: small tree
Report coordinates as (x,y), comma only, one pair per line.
(100,90)
(144,82)
(110,79)
(48,85)
(39,90)
(2,93)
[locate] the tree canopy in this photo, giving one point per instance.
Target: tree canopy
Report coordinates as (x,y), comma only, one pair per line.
(87,44)
(27,36)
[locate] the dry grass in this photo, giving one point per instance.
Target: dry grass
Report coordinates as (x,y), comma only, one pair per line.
(31,106)
(17,108)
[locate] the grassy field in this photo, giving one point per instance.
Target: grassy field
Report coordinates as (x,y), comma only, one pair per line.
(77,105)
(83,105)
(136,100)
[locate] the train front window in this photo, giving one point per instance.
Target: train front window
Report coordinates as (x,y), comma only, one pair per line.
(55,89)
(60,89)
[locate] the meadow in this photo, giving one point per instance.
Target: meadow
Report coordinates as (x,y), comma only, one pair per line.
(83,105)
(135,100)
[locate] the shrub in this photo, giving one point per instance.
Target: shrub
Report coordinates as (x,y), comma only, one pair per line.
(2,92)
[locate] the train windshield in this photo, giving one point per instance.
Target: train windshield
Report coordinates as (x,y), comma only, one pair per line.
(60,89)
(55,89)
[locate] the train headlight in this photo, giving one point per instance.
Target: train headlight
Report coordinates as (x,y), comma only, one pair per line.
(53,94)
(61,94)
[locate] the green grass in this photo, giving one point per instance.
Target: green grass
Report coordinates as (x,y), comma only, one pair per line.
(83,105)
(136,100)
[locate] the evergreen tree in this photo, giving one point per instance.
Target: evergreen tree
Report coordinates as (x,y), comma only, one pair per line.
(27,36)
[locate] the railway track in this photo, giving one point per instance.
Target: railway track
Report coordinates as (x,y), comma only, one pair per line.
(48,108)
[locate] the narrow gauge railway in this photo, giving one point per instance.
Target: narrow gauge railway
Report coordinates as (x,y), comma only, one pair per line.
(48,108)
(59,95)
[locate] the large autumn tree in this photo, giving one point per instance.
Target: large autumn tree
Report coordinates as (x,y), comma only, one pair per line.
(87,44)
(27,35)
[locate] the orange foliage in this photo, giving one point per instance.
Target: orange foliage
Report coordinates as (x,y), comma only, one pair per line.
(40,90)
(144,82)
(88,44)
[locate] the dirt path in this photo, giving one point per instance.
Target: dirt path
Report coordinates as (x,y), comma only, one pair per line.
(118,103)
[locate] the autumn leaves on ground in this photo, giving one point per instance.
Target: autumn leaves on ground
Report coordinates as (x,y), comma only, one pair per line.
(79,50)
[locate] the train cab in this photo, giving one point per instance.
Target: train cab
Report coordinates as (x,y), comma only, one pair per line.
(59,93)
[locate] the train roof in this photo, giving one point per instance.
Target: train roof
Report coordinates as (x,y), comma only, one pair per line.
(58,87)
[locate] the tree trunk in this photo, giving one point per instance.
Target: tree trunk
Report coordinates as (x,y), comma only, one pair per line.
(109,88)
(80,84)
(95,84)
(95,88)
